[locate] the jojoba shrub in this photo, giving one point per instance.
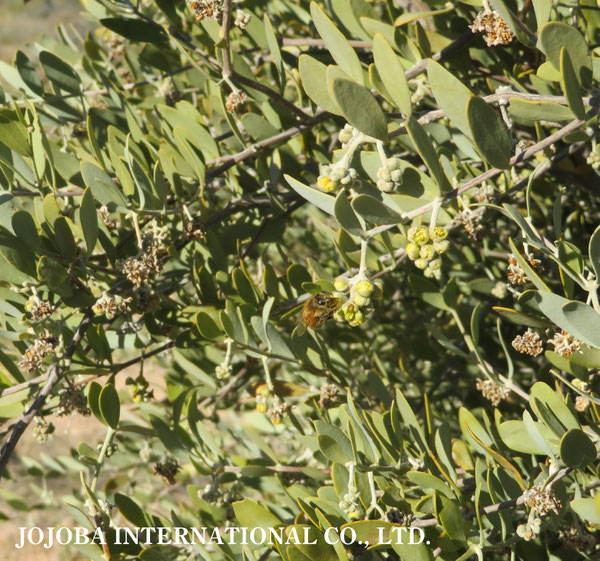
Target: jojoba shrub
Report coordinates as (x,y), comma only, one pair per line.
(358,243)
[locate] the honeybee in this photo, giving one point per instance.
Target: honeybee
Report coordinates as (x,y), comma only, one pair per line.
(318,310)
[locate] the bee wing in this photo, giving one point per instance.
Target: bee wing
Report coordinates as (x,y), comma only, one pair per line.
(300,328)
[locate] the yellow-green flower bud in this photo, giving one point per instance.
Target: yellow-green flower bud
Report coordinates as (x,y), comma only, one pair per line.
(421,263)
(361,301)
(421,235)
(413,251)
(365,288)
(427,252)
(359,317)
(410,235)
(438,233)
(435,264)
(392,163)
(326,184)
(441,246)
(261,407)
(341,284)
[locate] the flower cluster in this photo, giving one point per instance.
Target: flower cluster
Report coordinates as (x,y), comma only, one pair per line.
(115,44)
(531,529)
(515,274)
(334,175)
(111,305)
(235,99)
(39,309)
(491,391)
(424,246)
(471,221)
(268,402)
(542,501)
(389,175)
(207,9)
(493,28)
(139,389)
(564,343)
(328,396)
(43,429)
(242,19)
(43,346)
(575,539)
(72,399)
(358,304)
(148,263)
(167,470)
(104,215)
(530,343)
(350,502)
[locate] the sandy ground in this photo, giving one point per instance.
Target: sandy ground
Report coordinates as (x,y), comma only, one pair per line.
(69,433)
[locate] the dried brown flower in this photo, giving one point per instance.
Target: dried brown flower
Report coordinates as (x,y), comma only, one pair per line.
(493,27)
(530,343)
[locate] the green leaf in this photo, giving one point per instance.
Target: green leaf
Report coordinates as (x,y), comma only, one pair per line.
(529,112)
(521,318)
(62,76)
(427,152)
(594,251)
(570,84)
(251,515)
(414,427)
(28,73)
(314,81)
(136,30)
(451,94)
(131,510)
(334,444)
(587,509)
(337,44)
(360,108)
(554,36)
(93,399)
(374,211)
(89,220)
(274,48)
(321,200)
(25,229)
(550,408)
(51,272)
(428,481)
(13,133)
(391,72)
(207,327)
(319,551)
(346,216)
(64,238)
(110,406)
(451,519)
(577,449)
(428,291)
(103,188)
(542,9)
(489,133)
(515,435)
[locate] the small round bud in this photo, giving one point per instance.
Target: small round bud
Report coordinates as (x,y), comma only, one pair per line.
(421,263)
(413,251)
(441,246)
(365,288)
(361,301)
(435,264)
(421,235)
(261,407)
(392,163)
(427,251)
(438,233)
(384,173)
(396,175)
(354,515)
